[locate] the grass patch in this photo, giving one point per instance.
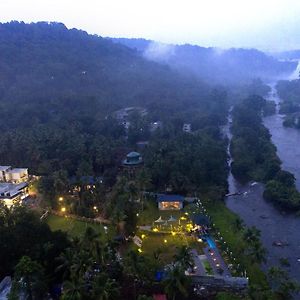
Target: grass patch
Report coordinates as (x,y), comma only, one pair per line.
(75,228)
(208,268)
(167,244)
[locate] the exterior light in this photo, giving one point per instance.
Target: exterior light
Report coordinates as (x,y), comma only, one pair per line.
(155,229)
(143,236)
(137,214)
(173,233)
(165,241)
(63,209)
(95,207)
(140,250)
(60,199)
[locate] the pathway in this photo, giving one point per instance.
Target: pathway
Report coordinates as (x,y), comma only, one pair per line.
(199,271)
(216,261)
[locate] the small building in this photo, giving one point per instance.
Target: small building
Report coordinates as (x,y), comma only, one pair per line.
(16,175)
(13,193)
(133,159)
(187,128)
(170,202)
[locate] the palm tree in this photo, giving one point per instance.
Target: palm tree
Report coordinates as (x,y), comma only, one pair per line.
(133,262)
(73,289)
(82,262)
(104,288)
(184,257)
(252,235)
(176,283)
(238,224)
(91,242)
(258,253)
(65,259)
(281,283)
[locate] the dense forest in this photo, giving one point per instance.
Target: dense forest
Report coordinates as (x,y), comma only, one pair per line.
(230,66)
(59,87)
(255,156)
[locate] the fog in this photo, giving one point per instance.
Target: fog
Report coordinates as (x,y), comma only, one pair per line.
(267,25)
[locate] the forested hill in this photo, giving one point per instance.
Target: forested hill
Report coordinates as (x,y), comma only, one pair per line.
(58,87)
(48,70)
(226,66)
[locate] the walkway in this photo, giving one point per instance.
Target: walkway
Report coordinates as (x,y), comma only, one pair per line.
(216,262)
(199,271)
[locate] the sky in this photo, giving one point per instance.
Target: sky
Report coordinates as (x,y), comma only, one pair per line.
(272,25)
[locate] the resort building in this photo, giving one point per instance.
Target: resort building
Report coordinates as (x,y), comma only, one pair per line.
(170,202)
(13,193)
(133,159)
(16,175)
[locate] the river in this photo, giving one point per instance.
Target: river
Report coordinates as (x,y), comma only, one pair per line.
(255,211)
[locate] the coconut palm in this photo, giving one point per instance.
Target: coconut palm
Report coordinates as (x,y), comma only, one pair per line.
(73,289)
(65,262)
(184,257)
(176,283)
(104,288)
(238,224)
(257,252)
(81,263)
(252,235)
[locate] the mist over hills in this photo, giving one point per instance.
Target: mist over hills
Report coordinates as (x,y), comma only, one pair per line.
(213,64)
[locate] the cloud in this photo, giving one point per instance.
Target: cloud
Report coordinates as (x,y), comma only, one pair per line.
(159,51)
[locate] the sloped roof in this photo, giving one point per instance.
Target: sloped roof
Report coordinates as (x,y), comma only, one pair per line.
(133,154)
(170,198)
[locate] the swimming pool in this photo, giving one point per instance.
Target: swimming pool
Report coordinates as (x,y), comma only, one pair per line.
(211,243)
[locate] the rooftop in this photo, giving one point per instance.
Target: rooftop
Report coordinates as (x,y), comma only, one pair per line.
(12,189)
(4,168)
(17,170)
(169,198)
(133,154)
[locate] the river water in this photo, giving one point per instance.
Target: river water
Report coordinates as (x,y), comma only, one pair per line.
(255,211)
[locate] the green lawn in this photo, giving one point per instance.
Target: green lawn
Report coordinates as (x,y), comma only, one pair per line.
(166,243)
(74,228)
(208,268)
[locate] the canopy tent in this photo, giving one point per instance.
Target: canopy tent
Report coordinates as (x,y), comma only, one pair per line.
(159,220)
(172,219)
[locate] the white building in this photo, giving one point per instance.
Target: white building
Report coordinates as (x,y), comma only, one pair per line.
(16,175)
(187,128)
(13,193)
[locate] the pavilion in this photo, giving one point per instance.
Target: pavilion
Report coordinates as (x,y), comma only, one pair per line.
(133,159)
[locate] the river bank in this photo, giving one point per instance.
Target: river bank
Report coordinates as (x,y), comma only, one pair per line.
(255,211)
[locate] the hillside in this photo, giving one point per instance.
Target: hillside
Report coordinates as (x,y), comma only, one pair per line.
(57,87)
(225,66)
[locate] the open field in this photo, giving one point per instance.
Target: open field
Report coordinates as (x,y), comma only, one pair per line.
(73,227)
